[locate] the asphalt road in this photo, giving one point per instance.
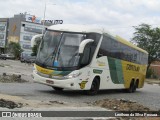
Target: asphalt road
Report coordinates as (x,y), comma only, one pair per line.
(149,95)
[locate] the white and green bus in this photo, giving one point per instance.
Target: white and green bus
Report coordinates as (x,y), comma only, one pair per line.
(81,57)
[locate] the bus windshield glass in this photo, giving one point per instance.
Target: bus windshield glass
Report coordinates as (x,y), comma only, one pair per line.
(60,49)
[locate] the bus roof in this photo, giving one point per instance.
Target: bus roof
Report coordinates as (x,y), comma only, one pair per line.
(76,28)
(89,29)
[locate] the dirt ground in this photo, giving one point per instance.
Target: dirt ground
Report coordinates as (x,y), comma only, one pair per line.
(121,104)
(124,105)
(11,78)
(11,102)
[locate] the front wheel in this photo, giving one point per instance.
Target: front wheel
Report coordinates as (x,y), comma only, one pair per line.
(57,88)
(94,87)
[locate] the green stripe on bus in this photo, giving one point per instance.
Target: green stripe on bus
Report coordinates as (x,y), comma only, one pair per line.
(116,72)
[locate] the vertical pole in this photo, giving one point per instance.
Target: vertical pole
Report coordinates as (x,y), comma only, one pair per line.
(44,15)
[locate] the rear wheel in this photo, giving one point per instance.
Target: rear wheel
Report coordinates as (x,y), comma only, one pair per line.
(132,87)
(57,88)
(136,85)
(94,87)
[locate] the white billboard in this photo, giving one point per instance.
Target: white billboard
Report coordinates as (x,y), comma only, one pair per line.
(33,19)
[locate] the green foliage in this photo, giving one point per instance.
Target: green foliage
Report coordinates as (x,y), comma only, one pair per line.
(148,38)
(149,73)
(155,76)
(15,49)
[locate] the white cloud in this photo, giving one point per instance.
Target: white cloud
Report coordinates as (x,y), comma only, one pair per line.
(116,15)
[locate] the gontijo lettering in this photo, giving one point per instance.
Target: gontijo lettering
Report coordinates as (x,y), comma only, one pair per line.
(132,67)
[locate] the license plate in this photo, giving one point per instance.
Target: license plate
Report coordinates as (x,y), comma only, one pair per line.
(49,81)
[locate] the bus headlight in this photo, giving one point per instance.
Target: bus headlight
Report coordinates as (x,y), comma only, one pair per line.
(73,75)
(70,76)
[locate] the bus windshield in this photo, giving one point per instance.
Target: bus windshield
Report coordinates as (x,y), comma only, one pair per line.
(59,49)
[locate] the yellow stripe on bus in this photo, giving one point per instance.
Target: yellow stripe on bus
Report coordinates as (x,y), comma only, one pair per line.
(43,70)
(133,71)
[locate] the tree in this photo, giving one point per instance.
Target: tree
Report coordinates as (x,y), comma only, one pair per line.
(15,49)
(148,38)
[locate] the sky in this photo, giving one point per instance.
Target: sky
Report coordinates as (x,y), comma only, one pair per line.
(116,16)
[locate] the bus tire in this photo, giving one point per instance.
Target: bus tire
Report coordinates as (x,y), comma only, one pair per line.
(135,85)
(57,88)
(94,87)
(131,89)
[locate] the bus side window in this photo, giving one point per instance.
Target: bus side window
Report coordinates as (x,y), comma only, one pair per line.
(86,55)
(104,47)
(99,53)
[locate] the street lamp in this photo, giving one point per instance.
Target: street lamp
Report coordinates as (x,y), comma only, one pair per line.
(44,15)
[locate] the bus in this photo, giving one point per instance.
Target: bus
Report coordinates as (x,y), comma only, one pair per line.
(81,57)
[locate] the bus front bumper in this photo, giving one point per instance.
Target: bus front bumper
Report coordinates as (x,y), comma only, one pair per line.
(72,84)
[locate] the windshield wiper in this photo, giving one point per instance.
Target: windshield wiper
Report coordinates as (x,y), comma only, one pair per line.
(58,53)
(52,55)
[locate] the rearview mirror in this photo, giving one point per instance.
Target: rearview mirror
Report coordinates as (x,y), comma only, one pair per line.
(83,44)
(35,39)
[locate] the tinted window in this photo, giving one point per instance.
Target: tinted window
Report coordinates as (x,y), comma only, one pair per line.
(112,48)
